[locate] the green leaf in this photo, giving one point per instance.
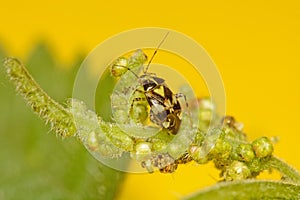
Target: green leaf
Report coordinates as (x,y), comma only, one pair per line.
(248,189)
(37,165)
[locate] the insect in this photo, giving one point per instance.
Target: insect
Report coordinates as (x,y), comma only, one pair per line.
(165,108)
(165,163)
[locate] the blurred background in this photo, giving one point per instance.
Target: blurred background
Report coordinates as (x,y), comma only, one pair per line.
(255,46)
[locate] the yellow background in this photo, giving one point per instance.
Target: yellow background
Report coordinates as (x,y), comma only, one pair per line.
(255,45)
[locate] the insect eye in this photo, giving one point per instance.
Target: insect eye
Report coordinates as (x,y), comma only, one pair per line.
(159,80)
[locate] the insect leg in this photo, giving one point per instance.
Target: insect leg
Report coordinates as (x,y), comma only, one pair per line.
(137,98)
(178,95)
(181,95)
(139,111)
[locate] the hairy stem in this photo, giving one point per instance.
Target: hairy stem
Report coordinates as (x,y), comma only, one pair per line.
(98,135)
(50,111)
(288,172)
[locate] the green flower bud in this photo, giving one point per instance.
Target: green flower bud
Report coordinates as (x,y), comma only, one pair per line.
(262,147)
(141,150)
(119,67)
(255,166)
(236,171)
(197,154)
(222,149)
(92,142)
(245,152)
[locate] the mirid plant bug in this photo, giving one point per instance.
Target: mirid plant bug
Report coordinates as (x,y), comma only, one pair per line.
(165,108)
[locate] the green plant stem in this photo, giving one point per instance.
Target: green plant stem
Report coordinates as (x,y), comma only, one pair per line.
(50,111)
(289,173)
(248,189)
(62,121)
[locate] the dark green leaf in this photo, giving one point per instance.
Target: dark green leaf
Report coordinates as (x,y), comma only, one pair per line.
(35,164)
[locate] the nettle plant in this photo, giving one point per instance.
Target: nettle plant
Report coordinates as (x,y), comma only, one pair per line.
(160,130)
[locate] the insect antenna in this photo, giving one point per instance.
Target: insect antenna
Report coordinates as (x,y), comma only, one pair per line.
(162,41)
(129,70)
